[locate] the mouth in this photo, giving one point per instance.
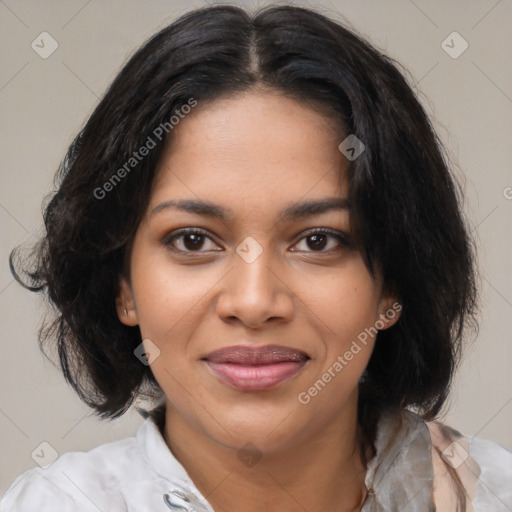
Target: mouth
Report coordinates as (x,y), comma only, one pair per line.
(255,368)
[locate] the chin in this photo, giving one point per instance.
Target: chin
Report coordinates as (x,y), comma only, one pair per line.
(267,431)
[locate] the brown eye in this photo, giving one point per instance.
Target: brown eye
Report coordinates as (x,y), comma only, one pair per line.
(317,241)
(190,240)
(193,241)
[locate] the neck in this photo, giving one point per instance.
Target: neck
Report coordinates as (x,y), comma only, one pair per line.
(324,472)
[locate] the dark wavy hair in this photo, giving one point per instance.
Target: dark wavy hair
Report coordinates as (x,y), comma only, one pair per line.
(405,203)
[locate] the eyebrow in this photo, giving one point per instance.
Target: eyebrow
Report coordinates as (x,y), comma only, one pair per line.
(293,211)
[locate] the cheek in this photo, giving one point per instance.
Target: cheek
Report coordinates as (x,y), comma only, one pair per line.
(169,298)
(345,309)
(346,320)
(345,301)
(171,301)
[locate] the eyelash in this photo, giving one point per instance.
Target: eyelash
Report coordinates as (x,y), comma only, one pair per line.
(341,238)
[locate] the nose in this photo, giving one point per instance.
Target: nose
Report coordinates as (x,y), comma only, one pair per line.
(255,293)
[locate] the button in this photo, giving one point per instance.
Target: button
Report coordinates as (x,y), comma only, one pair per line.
(177,499)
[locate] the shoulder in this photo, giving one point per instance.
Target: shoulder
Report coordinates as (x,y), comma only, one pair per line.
(78,480)
(32,491)
(482,469)
(494,484)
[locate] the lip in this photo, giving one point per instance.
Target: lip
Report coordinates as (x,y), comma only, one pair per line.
(255,368)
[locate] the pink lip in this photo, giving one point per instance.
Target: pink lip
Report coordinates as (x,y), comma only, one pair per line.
(255,368)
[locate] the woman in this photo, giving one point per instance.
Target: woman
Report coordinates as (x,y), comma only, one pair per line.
(258,232)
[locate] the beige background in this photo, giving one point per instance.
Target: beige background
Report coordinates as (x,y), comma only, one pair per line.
(45,101)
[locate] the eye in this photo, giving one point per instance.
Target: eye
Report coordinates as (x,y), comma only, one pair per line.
(190,240)
(318,239)
(196,240)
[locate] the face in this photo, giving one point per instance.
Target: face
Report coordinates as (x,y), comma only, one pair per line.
(255,267)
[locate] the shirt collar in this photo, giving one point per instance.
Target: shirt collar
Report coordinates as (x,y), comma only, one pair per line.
(398,477)
(159,456)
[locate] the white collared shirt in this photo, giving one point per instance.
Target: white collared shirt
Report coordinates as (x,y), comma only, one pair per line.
(410,473)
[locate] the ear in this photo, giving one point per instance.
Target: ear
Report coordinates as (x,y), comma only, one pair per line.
(125,304)
(389,312)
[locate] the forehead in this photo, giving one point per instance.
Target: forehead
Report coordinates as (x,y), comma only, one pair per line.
(256,145)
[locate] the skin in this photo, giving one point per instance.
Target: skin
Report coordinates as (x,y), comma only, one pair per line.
(255,154)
